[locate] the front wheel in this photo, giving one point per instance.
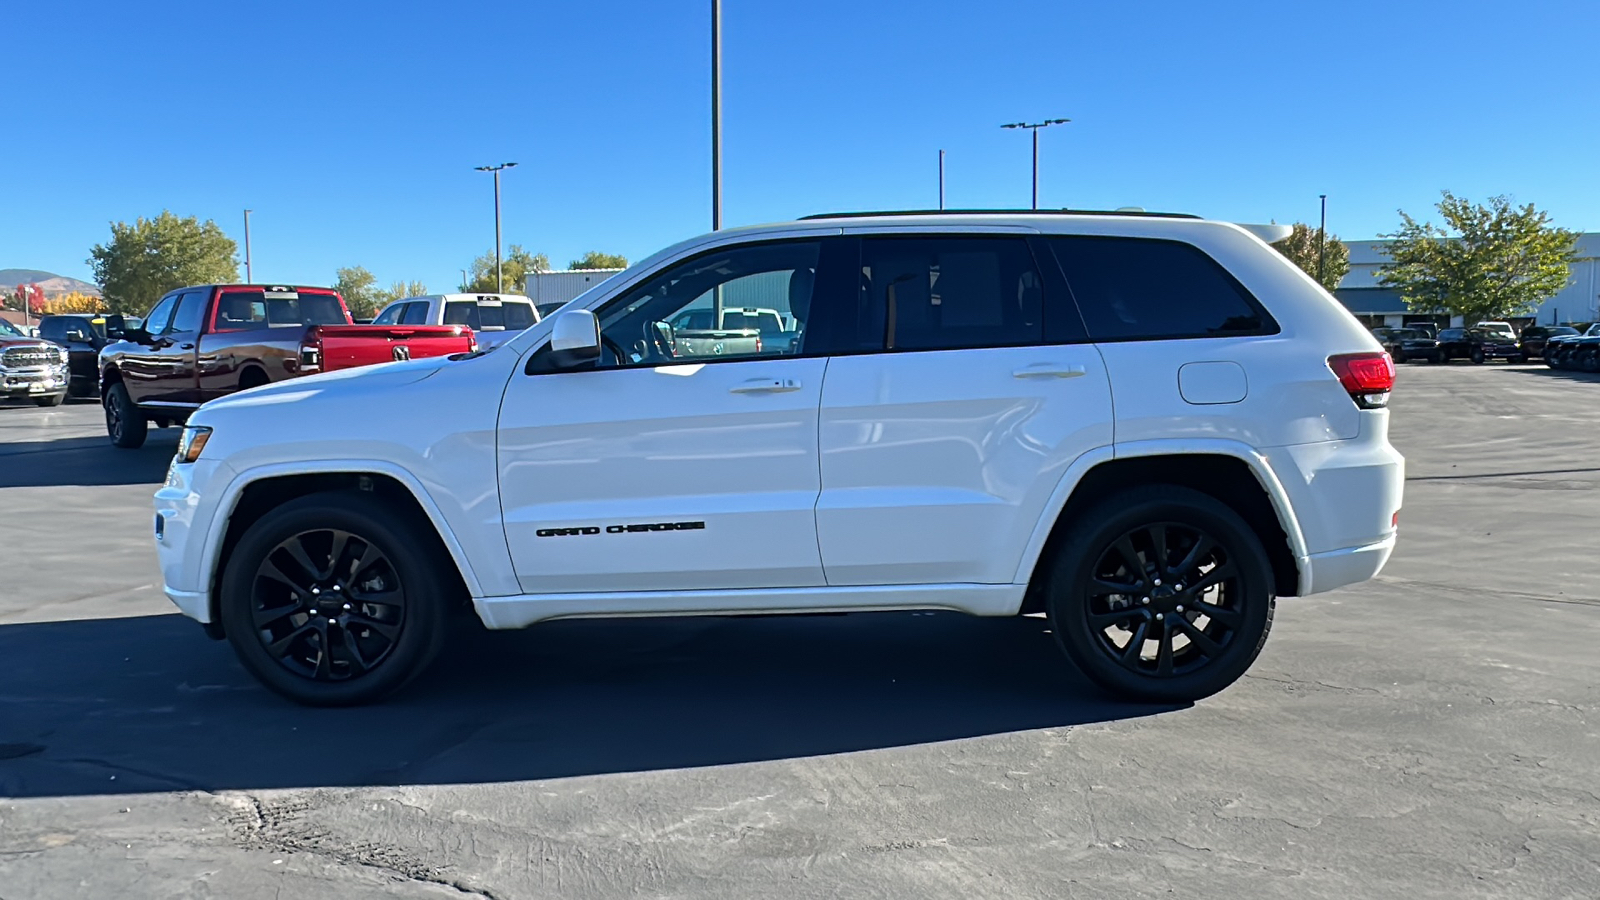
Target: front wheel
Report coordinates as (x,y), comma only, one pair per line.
(124,422)
(1161,594)
(1477,357)
(333,600)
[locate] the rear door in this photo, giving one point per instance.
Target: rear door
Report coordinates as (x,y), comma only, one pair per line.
(957,401)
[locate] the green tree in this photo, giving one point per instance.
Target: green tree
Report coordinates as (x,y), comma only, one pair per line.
(1305,249)
(399,290)
(1486,262)
(515,267)
(594,259)
(146,259)
(358,288)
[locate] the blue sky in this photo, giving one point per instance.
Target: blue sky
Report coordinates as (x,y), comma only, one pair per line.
(352,128)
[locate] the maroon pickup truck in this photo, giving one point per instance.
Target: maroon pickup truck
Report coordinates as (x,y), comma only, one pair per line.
(200,343)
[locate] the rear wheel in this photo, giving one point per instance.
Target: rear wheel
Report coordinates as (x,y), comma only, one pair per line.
(1477,357)
(124,422)
(332,600)
(1161,594)
(1399,356)
(1588,361)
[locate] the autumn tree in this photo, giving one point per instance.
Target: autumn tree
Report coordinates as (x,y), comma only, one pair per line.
(594,259)
(146,259)
(514,266)
(1326,261)
(1484,263)
(74,302)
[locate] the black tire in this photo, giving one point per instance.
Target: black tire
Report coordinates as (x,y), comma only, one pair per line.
(1524,359)
(1435,357)
(1245,594)
(55,400)
(1588,361)
(1478,357)
(124,422)
(1399,356)
(402,633)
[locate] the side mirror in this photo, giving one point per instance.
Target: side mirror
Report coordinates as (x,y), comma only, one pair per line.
(116,327)
(574,339)
(78,335)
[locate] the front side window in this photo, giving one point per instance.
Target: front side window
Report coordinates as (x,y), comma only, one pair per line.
(155,322)
(191,309)
(696,310)
(948,292)
(1150,289)
(391,315)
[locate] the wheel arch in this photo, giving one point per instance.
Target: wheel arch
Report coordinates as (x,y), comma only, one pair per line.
(109,375)
(255,492)
(253,374)
(1233,473)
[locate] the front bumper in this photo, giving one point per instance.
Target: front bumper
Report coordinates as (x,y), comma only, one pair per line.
(18,384)
(184,510)
(1501,352)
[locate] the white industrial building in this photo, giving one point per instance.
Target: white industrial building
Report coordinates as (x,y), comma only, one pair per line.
(1377,305)
(548,290)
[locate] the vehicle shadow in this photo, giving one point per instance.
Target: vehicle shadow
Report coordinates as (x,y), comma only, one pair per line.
(1565,374)
(148,704)
(85,461)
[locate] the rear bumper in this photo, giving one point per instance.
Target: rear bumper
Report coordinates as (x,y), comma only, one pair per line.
(1325,571)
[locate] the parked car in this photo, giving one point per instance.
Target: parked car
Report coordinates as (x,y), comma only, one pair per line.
(30,368)
(201,343)
(1557,347)
(1536,337)
(740,331)
(83,334)
(494,318)
(1478,345)
(1502,329)
(940,435)
(1408,343)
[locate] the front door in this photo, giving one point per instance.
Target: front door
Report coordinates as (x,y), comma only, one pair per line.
(141,363)
(665,469)
(967,398)
(176,381)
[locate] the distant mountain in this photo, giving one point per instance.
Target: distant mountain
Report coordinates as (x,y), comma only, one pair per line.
(49,282)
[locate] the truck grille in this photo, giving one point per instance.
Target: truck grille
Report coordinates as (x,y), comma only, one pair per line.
(29,357)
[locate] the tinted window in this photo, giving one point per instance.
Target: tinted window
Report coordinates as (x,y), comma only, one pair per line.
(415,314)
(1450,334)
(391,315)
(245,310)
(53,330)
(1132,288)
(191,309)
(156,321)
(943,293)
(510,316)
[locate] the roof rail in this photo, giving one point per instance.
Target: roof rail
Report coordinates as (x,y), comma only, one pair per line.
(999,212)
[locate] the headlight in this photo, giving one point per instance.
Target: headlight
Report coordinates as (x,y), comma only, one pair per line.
(193,441)
(62,351)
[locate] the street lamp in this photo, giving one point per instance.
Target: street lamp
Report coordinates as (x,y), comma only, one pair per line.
(1034,127)
(1322,241)
(499,284)
(716,120)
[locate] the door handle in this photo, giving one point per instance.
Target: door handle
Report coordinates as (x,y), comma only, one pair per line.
(186,347)
(766,386)
(1049,370)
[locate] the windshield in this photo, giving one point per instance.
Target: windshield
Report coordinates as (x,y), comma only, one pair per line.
(509,316)
(10,330)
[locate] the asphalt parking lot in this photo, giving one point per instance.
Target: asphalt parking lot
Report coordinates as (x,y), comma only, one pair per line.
(1434,733)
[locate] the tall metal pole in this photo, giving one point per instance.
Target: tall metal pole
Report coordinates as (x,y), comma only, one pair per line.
(941,179)
(1034,127)
(1322,242)
(248,277)
(499,280)
(716,115)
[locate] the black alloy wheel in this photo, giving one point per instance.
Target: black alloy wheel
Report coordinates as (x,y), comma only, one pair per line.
(334,599)
(328,605)
(124,422)
(1478,357)
(1162,594)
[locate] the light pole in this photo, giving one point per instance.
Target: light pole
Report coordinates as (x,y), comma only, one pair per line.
(248,278)
(1034,127)
(499,285)
(1322,241)
(941,179)
(716,115)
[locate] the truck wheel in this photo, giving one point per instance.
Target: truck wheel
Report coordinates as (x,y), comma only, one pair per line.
(55,400)
(124,422)
(331,599)
(1478,357)
(1161,594)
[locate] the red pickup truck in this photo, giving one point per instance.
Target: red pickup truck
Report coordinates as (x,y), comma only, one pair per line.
(200,343)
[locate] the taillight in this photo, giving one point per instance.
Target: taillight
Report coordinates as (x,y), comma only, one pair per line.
(1368,377)
(310,356)
(758,343)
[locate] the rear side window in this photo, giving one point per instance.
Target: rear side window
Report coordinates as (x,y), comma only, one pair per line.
(415,314)
(1450,334)
(946,293)
(1148,289)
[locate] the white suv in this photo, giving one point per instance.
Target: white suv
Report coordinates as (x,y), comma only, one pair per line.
(1148,427)
(493,318)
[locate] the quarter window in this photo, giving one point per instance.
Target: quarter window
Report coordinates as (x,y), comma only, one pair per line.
(1148,289)
(945,293)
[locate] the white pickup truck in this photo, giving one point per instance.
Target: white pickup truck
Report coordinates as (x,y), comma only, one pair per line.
(939,434)
(494,318)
